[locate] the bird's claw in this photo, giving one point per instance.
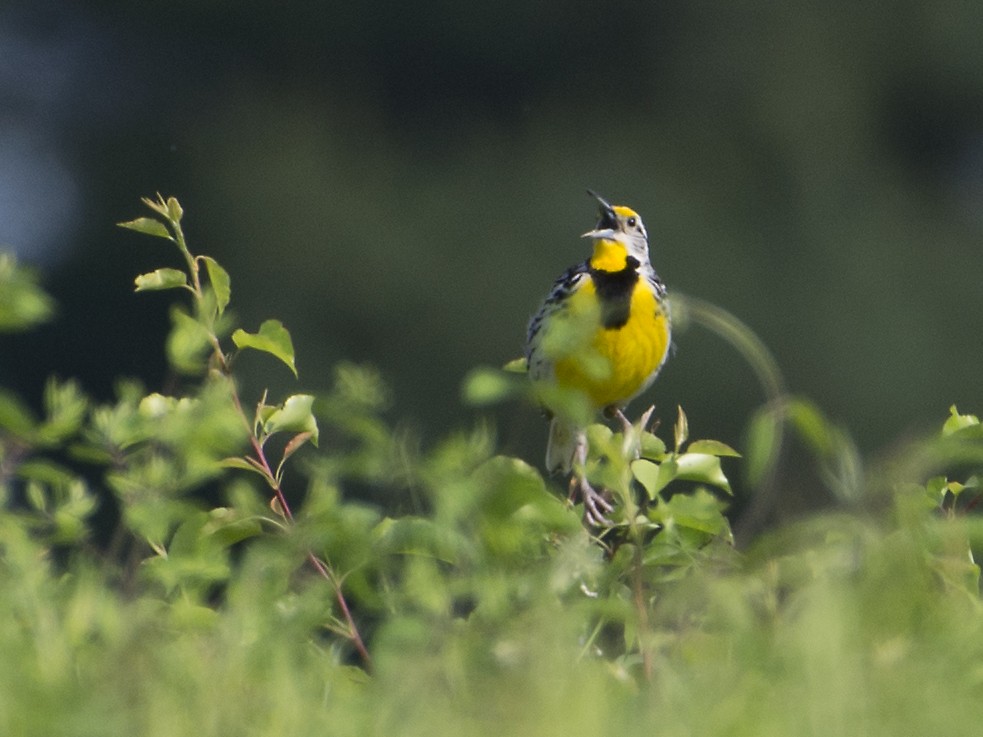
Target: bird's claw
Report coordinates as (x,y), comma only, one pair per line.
(595,505)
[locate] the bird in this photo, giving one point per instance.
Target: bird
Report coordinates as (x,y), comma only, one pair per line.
(602,334)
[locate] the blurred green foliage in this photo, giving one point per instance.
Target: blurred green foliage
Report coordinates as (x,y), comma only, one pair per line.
(406,182)
(22,303)
(245,590)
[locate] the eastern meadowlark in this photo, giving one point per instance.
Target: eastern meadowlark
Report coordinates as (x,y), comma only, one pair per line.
(603,333)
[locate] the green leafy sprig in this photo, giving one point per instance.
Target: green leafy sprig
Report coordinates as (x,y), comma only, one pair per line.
(197,337)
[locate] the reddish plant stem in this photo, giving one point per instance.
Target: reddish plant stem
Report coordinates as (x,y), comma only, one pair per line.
(973,503)
(323,568)
(319,565)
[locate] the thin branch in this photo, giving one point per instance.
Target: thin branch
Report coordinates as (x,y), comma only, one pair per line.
(259,456)
(638,594)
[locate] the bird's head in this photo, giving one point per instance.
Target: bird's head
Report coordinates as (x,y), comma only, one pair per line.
(619,234)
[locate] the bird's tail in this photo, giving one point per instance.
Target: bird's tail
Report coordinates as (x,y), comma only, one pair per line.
(561,446)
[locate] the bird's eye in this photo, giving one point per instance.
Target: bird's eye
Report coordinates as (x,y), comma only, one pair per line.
(632,222)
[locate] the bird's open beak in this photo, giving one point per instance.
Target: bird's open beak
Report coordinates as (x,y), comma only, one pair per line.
(607,226)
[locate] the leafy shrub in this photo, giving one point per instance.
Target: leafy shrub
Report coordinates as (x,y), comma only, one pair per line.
(223,602)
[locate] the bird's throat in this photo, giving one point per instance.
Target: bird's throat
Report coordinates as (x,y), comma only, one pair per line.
(609,255)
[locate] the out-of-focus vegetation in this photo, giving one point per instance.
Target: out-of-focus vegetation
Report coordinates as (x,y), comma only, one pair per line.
(407,181)
(244,589)
(399,186)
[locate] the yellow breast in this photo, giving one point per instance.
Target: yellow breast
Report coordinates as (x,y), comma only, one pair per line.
(617,363)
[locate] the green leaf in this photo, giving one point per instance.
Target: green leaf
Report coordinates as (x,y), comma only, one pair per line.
(74,507)
(23,304)
(599,436)
(228,526)
(681,430)
(565,402)
(158,205)
(957,422)
(36,498)
(296,443)
(838,456)
(761,441)
(654,477)
(702,468)
(712,447)
(174,209)
(188,343)
(66,409)
(294,416)
(417,536)
(813,426)
(359,388)
(46,472)
(955,487)
(272,338)
(517,366)
(652,446)
(700,511)
(220,281)
(186,615)
(161,279)
(147,226)
(484,386)
(241,463)
(15,417)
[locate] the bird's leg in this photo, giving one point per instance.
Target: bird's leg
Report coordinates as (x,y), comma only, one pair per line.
(595,505)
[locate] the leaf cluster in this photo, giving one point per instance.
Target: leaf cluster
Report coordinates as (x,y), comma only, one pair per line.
(242,587)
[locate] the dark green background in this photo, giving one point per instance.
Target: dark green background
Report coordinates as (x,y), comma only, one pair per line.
(401,182)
